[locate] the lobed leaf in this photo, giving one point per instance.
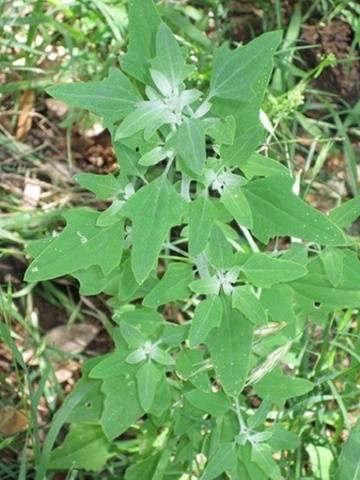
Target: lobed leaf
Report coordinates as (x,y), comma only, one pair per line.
(103,186)
(317,288)
(174,285)
(85,446)
(112,98)
(154,209)
(264,271)
(144,21)
(279,387)
(82,244)
(230,348)
(278,211)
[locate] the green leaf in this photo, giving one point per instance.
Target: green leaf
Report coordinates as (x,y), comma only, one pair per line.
(321,459)
(35,247)
(148,322)
(148,376)
(154,156)
(202,214)
(90,407)
(220,250)
(349,462)
(317,288)
(152,467)
(111,215)
(282,439)
(206,286)
(85,446)
(260,166)
(93,281)
(215,404)
(174,285)
(103,186)
(279,387)
(174,334)
(245,300)
(223,459)
(236,203)
(154,209)
(222,131)
(190,145)
(237,88)
(162,357)
(242,473)
(347,213)
(112,365)
(143,24)
(132,335)
(162,84)
(243,74)
(169,58)
(128,154)
(207,316)
(128,288)
(333,261)
(259,417)
(264,271)
(278,301)
(82,244)
(230,347)
(147,113)
(253,471)
(163,399)
(296,253)
(261,455)
(189,365)
(277,211)
(112,98)
(121,404)
(249,135)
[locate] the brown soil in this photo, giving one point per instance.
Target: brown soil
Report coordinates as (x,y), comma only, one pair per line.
(336,38)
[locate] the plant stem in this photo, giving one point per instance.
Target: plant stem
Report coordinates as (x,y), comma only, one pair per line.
(185,187)
(249,239)
(241,421)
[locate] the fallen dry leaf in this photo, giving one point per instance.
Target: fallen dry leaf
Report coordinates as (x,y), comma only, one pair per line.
(64,372)
(71,338)
(12,421)
(31,193)
(60,109)
(24,123)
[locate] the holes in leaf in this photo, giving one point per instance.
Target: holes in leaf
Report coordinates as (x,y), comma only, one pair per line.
(88,404)
(317,305)
(137,149)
